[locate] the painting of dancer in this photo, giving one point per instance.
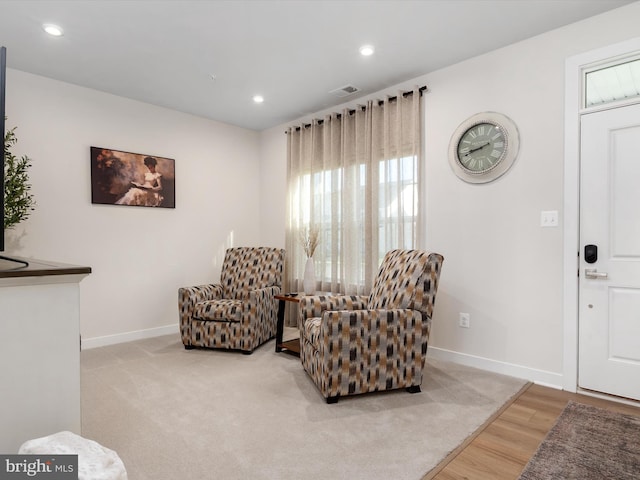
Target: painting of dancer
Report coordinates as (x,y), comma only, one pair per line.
(123,178)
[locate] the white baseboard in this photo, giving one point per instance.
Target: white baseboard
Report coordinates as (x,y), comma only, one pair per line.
(88,343)
(541,377)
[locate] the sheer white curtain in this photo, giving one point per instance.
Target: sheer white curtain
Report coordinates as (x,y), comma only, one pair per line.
(355,177)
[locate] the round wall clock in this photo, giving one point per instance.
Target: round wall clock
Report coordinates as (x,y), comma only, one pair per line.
(483,147)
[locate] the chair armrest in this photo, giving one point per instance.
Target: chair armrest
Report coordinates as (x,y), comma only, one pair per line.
(189,296)
(374,331)
(312,306)
(187,299)
(260,306)
(368,350)
(258,293)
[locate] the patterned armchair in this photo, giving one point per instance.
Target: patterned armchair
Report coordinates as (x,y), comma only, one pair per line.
(240,312)
(358,344)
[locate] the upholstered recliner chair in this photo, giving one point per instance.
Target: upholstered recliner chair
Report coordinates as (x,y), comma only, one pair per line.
(358,344)
(240,312)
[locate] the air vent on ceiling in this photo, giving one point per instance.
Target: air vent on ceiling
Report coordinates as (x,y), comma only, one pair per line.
(345,91)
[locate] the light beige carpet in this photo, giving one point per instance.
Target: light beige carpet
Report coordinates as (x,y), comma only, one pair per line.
(204,414)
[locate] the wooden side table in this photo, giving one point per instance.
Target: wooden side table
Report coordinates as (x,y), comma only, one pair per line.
(291,346)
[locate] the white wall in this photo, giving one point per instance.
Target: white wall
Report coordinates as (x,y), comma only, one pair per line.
(500,265)
(139,256)
(273,170)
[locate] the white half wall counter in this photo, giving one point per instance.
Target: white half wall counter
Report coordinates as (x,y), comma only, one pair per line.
(39,350)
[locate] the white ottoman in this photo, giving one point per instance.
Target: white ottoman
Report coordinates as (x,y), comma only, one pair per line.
(95,462)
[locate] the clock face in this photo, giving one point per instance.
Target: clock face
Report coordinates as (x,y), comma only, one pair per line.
(482,147)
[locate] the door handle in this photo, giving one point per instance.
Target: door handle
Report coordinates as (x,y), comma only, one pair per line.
(594,273)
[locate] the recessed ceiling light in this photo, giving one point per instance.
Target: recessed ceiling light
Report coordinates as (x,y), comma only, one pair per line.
(53,30)
(366,50)
(258,98)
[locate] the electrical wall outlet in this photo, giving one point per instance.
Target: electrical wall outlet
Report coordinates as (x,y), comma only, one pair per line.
(464,320)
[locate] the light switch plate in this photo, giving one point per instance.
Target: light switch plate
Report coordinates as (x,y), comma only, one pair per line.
(549,218)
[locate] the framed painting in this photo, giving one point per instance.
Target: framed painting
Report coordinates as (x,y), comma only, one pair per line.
(134,179)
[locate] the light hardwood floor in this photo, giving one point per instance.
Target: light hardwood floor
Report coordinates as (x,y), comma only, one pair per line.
(502,449)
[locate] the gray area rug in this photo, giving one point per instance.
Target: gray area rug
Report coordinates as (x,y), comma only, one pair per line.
(172,414)
(588,443)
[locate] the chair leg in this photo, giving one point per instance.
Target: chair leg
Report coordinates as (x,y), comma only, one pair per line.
(413,389)
(189,347)
(331,400)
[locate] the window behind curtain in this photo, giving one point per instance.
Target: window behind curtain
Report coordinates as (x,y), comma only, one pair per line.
(355,177)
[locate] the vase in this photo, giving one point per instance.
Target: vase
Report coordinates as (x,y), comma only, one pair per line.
(309,279)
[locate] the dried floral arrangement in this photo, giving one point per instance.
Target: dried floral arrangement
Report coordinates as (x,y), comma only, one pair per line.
(309,239)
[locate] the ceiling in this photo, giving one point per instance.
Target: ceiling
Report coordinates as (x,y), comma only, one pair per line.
(210,57)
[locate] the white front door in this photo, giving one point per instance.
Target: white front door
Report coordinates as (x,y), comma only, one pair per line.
(609,296)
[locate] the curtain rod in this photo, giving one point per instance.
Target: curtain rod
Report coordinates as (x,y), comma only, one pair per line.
(352,111)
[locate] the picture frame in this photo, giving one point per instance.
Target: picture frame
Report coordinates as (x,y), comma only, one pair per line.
(131,179)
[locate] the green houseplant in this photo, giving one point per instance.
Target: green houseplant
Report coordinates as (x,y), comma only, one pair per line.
(18,201)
